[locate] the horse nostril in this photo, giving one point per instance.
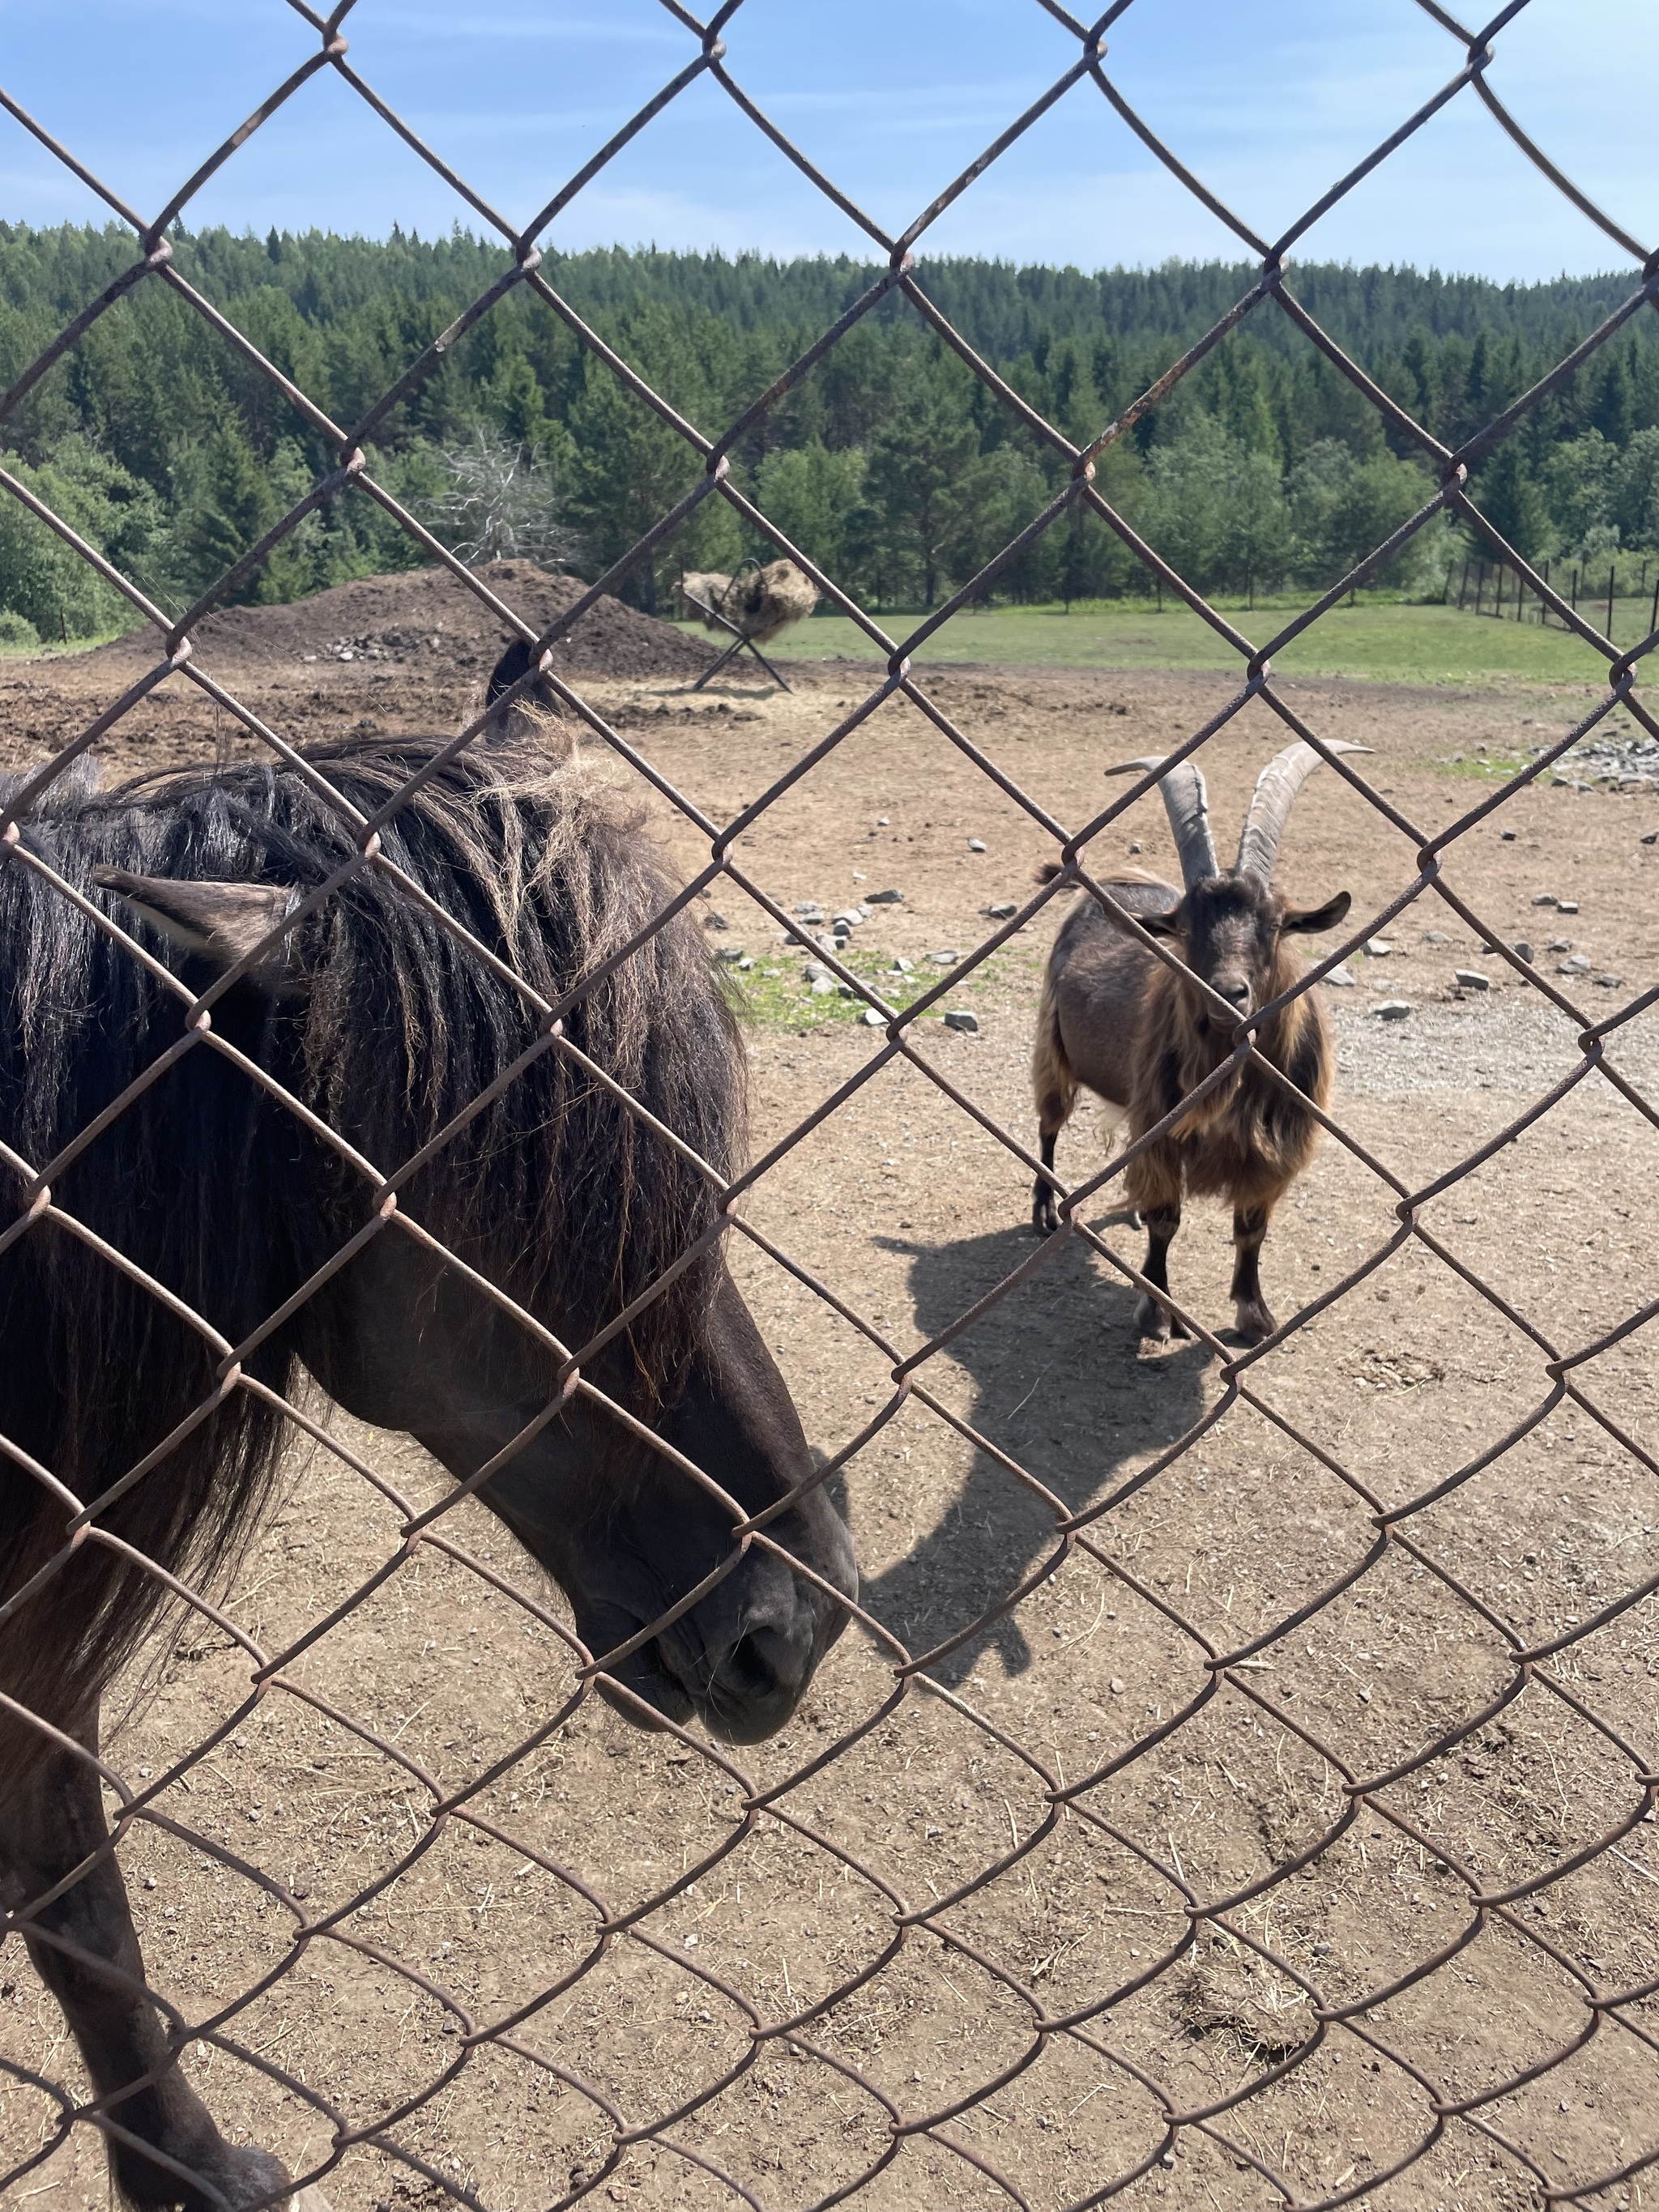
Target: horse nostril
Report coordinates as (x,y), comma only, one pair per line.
(748,1666)
(749,1669)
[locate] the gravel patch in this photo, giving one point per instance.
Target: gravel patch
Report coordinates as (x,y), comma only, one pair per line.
(1510,1043)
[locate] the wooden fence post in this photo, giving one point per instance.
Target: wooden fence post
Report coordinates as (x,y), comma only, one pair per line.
(1462,586)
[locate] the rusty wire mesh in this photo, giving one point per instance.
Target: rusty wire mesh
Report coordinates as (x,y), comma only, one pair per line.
(1164,2125)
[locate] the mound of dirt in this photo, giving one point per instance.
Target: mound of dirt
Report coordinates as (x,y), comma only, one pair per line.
(428,618)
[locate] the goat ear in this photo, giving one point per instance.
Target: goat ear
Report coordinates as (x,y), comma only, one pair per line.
(219,923)
(1160,925)
(1312,919)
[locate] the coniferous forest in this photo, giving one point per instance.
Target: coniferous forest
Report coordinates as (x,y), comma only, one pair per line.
(892,464)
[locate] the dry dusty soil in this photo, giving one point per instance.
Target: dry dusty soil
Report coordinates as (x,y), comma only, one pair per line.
(907,1208)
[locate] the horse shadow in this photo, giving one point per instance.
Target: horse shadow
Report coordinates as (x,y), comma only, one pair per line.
(1058,1385)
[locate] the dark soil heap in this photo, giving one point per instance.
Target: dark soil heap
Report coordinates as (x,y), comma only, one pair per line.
(427,618)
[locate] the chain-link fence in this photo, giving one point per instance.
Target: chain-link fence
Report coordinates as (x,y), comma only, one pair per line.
(1525,2013)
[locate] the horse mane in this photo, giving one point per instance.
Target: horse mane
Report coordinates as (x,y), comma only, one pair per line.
(555,1191)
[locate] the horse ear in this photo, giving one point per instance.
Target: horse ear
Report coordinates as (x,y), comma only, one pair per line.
(219,923)
(527,715)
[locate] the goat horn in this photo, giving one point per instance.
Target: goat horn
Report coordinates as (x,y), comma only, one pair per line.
(1271,802)
(1187,804)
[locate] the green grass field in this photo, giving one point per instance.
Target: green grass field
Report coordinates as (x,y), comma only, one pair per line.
(1381,641)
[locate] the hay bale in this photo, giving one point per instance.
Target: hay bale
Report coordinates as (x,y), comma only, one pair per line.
(761,604)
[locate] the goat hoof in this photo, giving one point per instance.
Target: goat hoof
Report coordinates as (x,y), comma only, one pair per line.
(1045,1217)
(1255,1325)
(1153,1323)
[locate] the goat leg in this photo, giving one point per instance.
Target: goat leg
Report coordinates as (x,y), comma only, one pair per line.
(84,1949)
(1254,1322)
(1154,1317)
(1053,1086)
(1045,1207)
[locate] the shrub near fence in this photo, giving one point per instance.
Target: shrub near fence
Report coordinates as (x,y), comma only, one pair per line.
(1544,2003)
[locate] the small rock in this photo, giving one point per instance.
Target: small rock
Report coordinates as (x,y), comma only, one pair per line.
(1392,1010)
(946,956)
(1544,898)
(961,1019)
(729,952)
(883,821)
(1607,983)
(1522,950)
(744,964)
(1115,1686)
(1436,937)
(1578,965)
(1378,947)
(846,991)
(849,918)
(823,986)
(1002,909)
(902,966)
(886,898)
(1340,979)
(1134,848)
(873,1019)
(814,971)
(1560,945)
(715,922)
(1506,836)
(976,844)
(1651,838)
(1471,979)
(810,910)
(1567,906)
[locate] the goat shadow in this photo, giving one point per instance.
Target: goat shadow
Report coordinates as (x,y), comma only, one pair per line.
(1057,1384)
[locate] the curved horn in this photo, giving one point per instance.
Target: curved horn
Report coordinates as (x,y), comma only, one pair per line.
(1187,804)
(1271,802)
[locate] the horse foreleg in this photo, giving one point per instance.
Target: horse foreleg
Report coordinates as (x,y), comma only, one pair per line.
(85,1950)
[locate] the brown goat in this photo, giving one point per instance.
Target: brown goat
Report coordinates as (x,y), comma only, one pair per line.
(1117,1021)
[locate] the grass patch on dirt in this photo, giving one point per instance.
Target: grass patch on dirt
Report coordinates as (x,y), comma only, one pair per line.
(775,994)
(1379,640)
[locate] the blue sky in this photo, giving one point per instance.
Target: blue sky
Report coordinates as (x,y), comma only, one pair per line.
(1269,101)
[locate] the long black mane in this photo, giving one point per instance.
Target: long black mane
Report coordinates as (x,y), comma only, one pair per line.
(386,1028)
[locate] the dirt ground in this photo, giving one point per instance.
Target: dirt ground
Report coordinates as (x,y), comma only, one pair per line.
(908,1209)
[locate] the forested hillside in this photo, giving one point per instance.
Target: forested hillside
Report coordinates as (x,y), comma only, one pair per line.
(892,464)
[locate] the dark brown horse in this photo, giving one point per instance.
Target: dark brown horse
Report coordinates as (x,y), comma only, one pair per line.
(133,1423)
